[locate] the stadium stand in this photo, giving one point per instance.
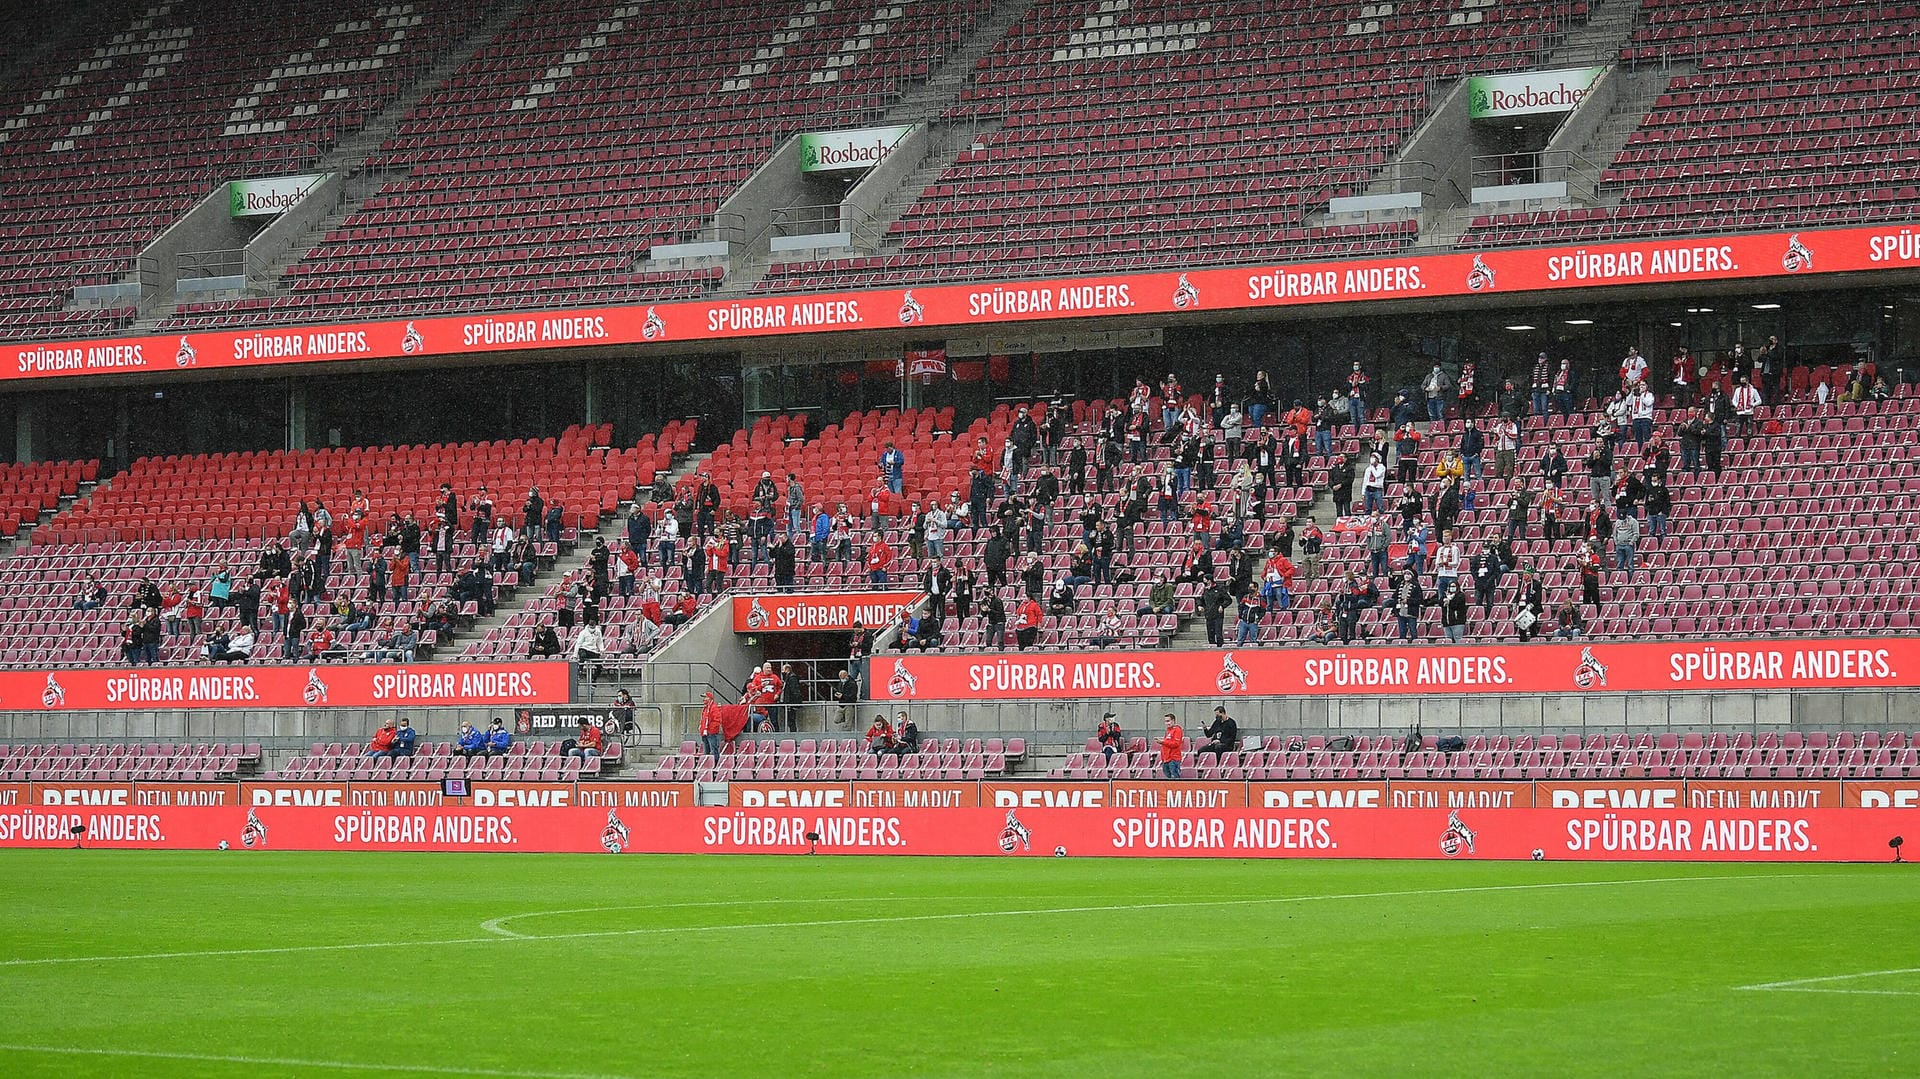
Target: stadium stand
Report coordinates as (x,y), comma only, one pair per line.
(177,521)
(1671,755)
(838,759)
(197,762)
(533,761)
(32,488)
(106,142)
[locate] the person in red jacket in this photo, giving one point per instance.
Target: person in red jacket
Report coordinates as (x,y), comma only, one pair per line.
(711,729)
(879,557)
(1027,623)
(879,735)
(587,743)
(716,554)
(1172,746)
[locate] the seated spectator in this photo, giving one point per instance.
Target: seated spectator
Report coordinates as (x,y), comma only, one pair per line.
(587,742)
(588,646)
(1160,596)
(546,643)
(1061,599)
(472,742)
(381,744)
(404,739)
(93,595)
(397,646)
(1223,732)
(1573,623)
(499,739)
(879,736)
(320,641)
(235,649)
(1107,634)
(906,735)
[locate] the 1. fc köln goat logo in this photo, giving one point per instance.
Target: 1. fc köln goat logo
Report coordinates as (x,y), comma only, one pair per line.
(902,684)
(186,355)
(1797,257)
(1184,294)
(653,328)
(756,615)
(910,310)
(253,833)
(1590,672)
(1480,277)
(1232,677)
(1457,836)
(1014,835)
(54,696)
(614,837)
(411,341)
(316,691)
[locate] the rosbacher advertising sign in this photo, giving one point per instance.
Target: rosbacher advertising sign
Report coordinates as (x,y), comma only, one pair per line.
(1530,92)
(830,151)
(271,196)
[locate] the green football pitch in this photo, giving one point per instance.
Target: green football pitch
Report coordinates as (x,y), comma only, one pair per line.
(268,964)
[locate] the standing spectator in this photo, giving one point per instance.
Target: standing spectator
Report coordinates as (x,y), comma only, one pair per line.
(1590,566)
(1435,386)
(1173,742)
(796,506)
(1214,600)
(879,558)
(1563,388)
(1473,445)
(1110,735)
(1633,369)
(398,577)
(1249,613)
(1374,486)
(716,564)
(938,584)
(1379,541)
(1626,539)
(1407,602)
(1453,611)
(1506,443)
(994,610)
(1659,506)
(1746,402)
(846,694)
(822,532)
(1357,396)
(1542,383)
(893,466)
(1682,377)
(1027,630)
(783,556)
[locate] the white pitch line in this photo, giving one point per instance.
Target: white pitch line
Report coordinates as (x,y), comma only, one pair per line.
(499,925)
(286,1062)
(888,920)
(1813,985)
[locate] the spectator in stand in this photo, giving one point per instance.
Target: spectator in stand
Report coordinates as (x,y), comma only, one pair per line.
(796,497)
(994,610)
(1173,742)
(1572,624)
(714,561)
(546,642)
(1112,739)
(893,468)
(1408,599)
(1453,611)
(556,517)
(1249,612)
(1357,381)
(1590,565)
(782,556)
(879,736)
(398,575)
(1746,402)
(1506,444)
(1027,627)
(1447,561)
(1379,543)
(442,547)
(1223,734)
(1713,436)
(499,739)
(846,694)
(1640,405)
(1312,543)
(1406,453)
(237,648)
(1276,585)
(294,630)
(381,744)
(937,582)
(1473,445)
(1626,540)
(1487,571)
(1435,387)
(1659,506)
(587,740)
(1633,369)
(1529,606)
(879,559)
(320,643)
(588,646)
(1374,486)
(472,742)
(480,507)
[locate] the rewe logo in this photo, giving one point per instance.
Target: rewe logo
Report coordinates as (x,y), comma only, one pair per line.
(1617,798)
(1323,798)
(507,796)
(1051,798)
(295,796)
(793,798)
(1891,798)
(84,796)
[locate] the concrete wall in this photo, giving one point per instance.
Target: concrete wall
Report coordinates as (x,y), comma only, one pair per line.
(1445,140)
(1577,129)
(773,186)
(865,198)
(209,226)
(292,227)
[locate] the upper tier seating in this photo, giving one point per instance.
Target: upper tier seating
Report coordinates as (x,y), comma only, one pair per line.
(108,141)
(1799,117)
(28,489)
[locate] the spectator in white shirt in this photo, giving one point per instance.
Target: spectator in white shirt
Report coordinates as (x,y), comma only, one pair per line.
(1373,486)
(1746,401)
(1640,406)
(1633,369)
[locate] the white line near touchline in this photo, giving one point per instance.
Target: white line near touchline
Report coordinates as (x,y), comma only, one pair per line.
(285,1062)
(369,945)
(1826,984)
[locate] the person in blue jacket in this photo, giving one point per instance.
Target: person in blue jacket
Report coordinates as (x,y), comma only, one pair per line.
(472,742)
(498,738)
(404,739)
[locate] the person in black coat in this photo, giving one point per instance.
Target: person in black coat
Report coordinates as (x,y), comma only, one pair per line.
(1214,602)
(938,583)
(782,556)
(1223,733)
(994,557)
